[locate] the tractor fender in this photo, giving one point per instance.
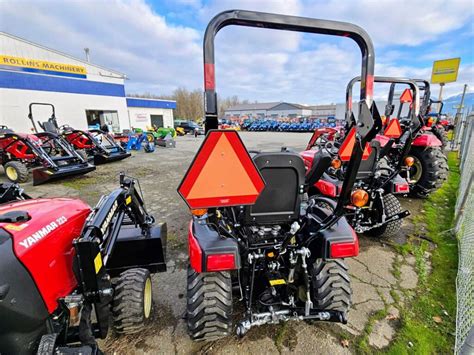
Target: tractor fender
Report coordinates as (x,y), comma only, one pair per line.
(338,241)
(328,186)
(426,140)
(382,139)
(398,185)
(204,241)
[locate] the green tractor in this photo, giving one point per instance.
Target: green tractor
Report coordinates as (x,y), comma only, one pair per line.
(154,133)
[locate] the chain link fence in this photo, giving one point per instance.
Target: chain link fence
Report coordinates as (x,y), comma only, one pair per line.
(464,214)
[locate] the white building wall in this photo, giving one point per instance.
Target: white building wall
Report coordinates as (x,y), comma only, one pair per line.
(140,116)
(70,108)
(12,46)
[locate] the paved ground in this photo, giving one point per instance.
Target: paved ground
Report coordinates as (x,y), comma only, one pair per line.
(381,278)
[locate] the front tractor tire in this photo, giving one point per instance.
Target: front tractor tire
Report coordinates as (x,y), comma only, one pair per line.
(331,285)
(16,171)
(392,206)
(429,172)
(208,305)
(132,303)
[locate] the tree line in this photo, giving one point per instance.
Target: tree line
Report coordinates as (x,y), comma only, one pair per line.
(189,104)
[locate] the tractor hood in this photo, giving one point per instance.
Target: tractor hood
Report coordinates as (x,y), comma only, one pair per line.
(42,241)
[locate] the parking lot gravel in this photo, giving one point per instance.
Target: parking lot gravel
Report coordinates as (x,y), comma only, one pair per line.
(382,279)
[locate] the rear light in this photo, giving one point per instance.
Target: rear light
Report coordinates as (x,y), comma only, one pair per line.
(220,262)
(359,198)
(402,188)
(195,253)
(409,161)
(345,250)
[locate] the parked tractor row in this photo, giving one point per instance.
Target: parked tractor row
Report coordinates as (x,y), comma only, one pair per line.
(279,126)
(270,230)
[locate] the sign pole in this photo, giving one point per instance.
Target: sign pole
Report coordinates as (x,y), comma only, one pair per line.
(440,97)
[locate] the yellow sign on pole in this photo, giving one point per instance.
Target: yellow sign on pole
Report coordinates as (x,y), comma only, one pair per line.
(445,71)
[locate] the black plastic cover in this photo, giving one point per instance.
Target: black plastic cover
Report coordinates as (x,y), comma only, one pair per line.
(279,202)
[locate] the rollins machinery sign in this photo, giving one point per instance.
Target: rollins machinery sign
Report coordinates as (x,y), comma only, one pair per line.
(42,66)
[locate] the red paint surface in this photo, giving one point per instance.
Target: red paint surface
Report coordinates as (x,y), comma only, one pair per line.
(48,259)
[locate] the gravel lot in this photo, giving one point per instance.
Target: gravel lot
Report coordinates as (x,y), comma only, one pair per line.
(381,278)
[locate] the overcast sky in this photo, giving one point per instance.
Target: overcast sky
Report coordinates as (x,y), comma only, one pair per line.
(158,43)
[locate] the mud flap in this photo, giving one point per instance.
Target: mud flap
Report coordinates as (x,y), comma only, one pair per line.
(43,175)
(207,241)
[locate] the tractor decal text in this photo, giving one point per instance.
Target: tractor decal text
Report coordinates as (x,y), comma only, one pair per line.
(43,232)
(108,219)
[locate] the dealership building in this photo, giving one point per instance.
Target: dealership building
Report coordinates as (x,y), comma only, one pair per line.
(83,94)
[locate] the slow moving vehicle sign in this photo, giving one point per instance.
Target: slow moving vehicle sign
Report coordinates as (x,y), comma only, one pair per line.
(222,174)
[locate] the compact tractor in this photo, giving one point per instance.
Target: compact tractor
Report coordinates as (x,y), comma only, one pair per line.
(92,143)
(427,166)
(379,212)
(68,271)
(255,234)
(47,155)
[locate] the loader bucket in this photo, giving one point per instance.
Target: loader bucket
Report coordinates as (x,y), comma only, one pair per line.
(44,175)
(108,158)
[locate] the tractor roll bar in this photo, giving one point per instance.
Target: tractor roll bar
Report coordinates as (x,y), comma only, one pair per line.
(30,112)
(288,23)
(384,79)
(424,101)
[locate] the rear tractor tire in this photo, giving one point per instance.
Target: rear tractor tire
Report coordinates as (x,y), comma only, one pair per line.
(392,206)
(16,171)
(132,303)
(209,305)
(331,285)
(429,172)
(47,344)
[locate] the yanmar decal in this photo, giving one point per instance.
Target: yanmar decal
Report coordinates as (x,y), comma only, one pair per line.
(43,232)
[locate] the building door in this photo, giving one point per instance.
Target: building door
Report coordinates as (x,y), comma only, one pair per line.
(156,120)
(98,118)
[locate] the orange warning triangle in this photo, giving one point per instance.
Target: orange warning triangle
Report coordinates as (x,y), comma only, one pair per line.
(406,96)
(393,129)
(345,151)
(223,167)
(222,174)
(367,151)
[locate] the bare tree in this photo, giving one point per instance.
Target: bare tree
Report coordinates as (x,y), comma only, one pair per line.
(189,104)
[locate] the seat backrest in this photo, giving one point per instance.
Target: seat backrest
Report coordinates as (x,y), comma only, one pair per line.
(321,162)
(367,167)
(49,126)
(279,202)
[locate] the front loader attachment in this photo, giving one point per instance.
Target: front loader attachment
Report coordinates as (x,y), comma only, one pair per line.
(45,174)
(108,158)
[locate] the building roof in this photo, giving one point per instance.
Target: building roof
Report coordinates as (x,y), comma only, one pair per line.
(60,53)
(263,106)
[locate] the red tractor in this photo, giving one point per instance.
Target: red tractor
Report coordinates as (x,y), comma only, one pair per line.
(93,143)
(427,167)
(283,253)
(47,155)
(67,271)
(377,212)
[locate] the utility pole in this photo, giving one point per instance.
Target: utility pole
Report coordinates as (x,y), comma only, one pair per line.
(88,59)
(458,117)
